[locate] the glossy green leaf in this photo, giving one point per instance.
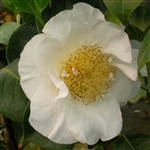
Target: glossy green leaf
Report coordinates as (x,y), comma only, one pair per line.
(112,18)
(122,8)
(141,16)
(144,54)
(12,99)
(6,31)
(32,6)
(133,142)
(10,6)
(19,39)
(34,137)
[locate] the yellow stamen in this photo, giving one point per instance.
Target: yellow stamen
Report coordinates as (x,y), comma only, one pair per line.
(88,74)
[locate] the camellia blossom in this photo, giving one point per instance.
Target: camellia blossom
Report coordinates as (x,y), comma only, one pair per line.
(77,74)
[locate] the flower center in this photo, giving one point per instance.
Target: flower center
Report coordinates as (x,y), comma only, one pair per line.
(88,74)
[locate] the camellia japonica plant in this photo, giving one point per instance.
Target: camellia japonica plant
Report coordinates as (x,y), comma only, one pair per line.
(71,66)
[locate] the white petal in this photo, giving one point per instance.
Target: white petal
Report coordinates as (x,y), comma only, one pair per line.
(112,40)
(48,52)
(59,84)
(92,14)
(127,69)
(98,120)
(124,89)
(68,27)
(48,116)
(30,76)
(130,69)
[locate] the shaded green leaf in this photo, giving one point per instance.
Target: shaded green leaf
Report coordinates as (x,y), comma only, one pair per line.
(122,8)
(26,17)
(45,143)
(27,129)
(19,39)
(12,99)
(53,9)
(123,143)
(17,131)
(141,16)
(133,142)
(2,146)
(144,54)
(6,31)
(135,33)
(9,5)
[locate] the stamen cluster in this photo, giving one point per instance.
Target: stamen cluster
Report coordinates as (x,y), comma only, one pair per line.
(88,74)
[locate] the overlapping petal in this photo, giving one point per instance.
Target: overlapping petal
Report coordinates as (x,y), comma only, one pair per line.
(55,113)
(27,70)
(89,123)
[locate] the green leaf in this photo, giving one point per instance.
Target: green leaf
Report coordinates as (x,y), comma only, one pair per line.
(26,17)
(141,16)
(6,31)
(133,142)
(17,131)
(9,5)
(112,18)
(32,146)
(34,137)
(2,146)
(27,129)
(122,8)
(135,33)
(33,7)
(30,6)
(19,39)
(12,99)
(144,54)
(148,75)
(45,143)
(123,143)
(55,8)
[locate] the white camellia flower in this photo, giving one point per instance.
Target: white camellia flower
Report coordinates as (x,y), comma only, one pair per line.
(76,75)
